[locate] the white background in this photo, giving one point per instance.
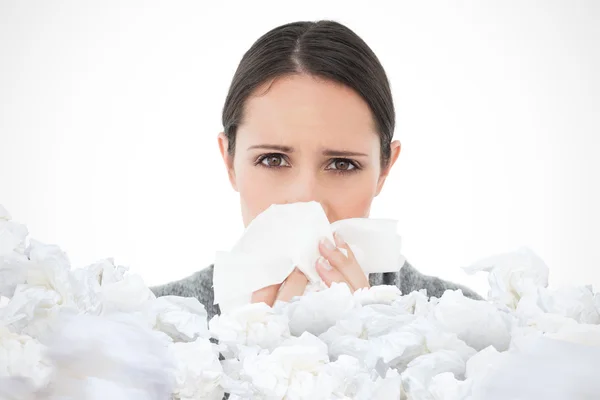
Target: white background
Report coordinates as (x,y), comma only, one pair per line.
(109,113)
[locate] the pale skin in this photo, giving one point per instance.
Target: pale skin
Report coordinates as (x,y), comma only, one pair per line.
(308,139)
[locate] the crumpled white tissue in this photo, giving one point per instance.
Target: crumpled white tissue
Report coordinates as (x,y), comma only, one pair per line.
(256,325)
(115,354)
(21,355)
(182,318)
(97,332)
(12,257)
(478,324)
(198,370)
(512,275)
(286,236)
(549,369)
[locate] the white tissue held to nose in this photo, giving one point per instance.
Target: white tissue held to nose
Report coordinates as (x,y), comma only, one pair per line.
(286,236)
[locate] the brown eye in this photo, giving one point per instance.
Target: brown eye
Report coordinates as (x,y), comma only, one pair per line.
(274,161)
(341,164)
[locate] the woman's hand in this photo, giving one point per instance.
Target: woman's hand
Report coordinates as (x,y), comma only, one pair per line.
(334,266)
(293,285)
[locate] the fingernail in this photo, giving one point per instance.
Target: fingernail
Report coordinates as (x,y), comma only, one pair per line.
(339,239)
(327,244)
(324,263)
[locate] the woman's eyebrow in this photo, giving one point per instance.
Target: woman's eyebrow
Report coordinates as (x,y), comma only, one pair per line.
(284,149)
(340,153)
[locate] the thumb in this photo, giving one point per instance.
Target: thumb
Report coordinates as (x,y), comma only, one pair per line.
(294,285)
(266,295)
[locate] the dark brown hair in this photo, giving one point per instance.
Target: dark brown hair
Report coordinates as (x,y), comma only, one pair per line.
(325,49)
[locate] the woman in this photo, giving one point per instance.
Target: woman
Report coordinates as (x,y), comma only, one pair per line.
(309,116)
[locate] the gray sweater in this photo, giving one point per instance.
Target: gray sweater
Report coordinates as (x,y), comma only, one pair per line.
(408,279)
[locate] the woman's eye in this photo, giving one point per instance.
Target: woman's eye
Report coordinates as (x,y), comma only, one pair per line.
(274,160)
(342,165)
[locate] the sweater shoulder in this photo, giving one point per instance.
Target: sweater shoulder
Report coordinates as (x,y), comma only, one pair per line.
(408,279)
(414,280)
(198,285)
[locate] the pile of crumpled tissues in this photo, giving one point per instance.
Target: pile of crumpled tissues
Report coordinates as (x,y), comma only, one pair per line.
(99,333)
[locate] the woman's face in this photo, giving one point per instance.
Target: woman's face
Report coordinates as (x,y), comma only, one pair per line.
(307,139)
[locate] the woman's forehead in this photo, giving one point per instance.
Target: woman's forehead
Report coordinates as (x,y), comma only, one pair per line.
(303,108)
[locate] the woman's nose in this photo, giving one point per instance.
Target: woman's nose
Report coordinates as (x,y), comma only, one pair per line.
(302,188)
(308,188)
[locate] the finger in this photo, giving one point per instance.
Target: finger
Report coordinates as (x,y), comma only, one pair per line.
(356,276)
(266,295)
(341,243)
(347,266)
(294,285)
(330,274)
(332,253)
